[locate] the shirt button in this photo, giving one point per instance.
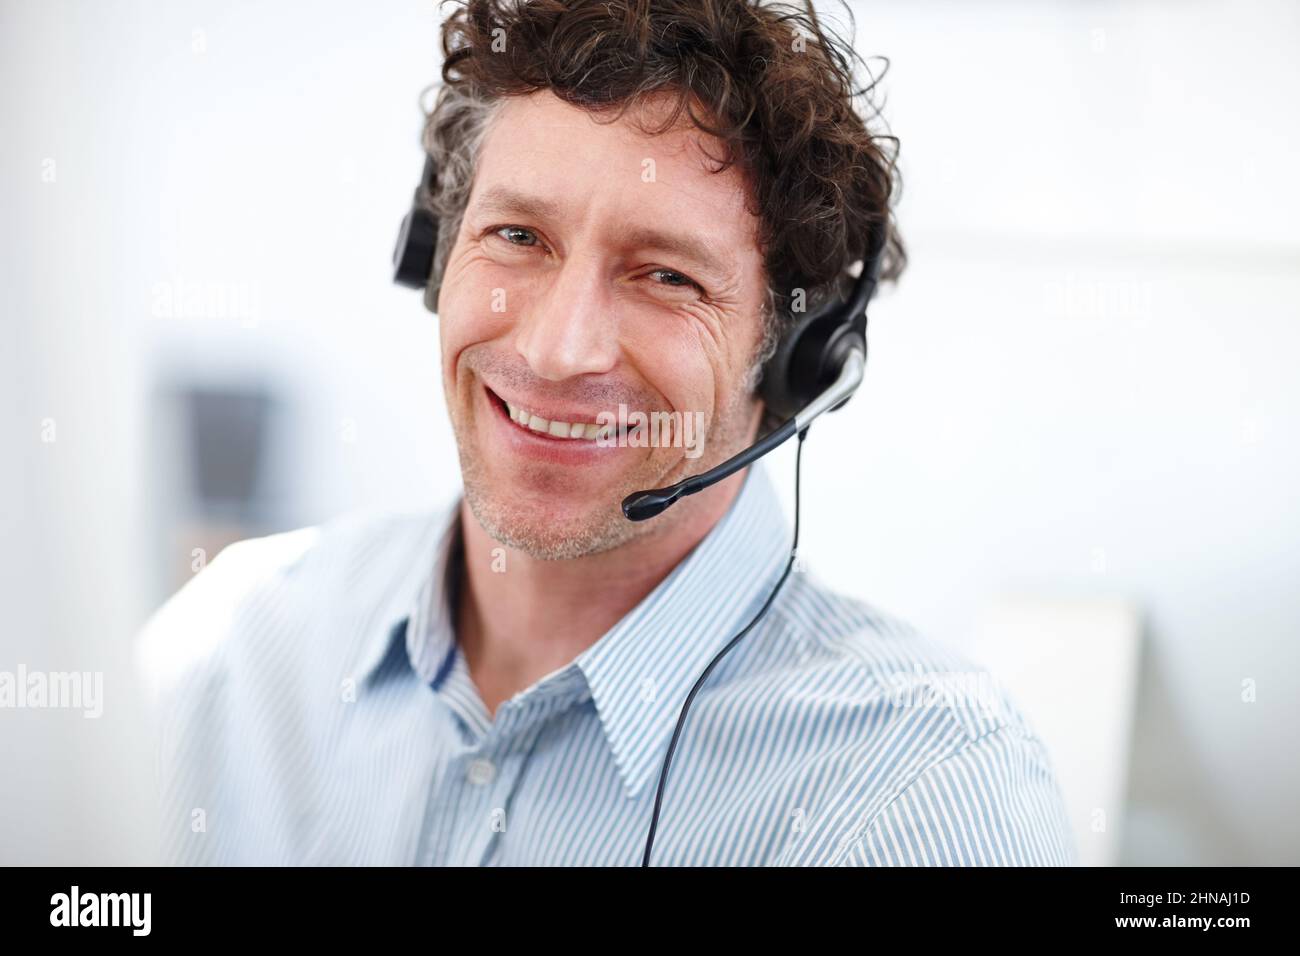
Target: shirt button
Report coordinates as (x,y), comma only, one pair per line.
(480,772)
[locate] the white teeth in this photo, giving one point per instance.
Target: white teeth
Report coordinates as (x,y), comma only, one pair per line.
(555,429)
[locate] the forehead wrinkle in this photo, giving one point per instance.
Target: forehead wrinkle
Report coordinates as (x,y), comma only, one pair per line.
(712,259)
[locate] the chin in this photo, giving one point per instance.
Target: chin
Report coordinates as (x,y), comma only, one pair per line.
(551,531)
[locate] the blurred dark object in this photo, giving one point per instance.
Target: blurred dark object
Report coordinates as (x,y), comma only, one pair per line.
(217,470)
(227,438)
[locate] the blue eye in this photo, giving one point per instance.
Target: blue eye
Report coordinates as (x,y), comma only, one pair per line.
(516,230)
(678,282)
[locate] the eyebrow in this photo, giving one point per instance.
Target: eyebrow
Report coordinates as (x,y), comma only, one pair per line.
(686,247)
(504,199)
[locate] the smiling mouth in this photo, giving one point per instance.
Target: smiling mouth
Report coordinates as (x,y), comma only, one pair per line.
(550,428)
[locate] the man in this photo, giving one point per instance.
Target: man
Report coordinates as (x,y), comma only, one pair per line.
(498,683)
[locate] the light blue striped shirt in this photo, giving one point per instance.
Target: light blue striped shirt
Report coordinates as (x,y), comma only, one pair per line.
(314,708)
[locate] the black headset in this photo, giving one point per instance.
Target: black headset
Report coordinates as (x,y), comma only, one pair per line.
(817,366)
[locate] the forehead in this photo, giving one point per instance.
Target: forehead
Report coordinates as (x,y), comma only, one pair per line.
(587,170)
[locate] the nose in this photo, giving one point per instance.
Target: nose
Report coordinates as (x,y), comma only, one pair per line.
(569,327)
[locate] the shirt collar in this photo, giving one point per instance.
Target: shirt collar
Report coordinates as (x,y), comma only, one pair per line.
(413,593)
(641,670)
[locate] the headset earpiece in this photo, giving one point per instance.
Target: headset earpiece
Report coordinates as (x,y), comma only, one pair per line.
(811,354)
(418,239)
(802,359)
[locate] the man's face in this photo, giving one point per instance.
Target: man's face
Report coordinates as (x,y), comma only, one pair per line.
(596,266)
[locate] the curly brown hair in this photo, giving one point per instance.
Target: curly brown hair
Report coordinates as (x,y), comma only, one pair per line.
(767,79)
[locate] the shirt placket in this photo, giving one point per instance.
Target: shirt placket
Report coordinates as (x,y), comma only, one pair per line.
(486,776)
(468,813)
(499,773)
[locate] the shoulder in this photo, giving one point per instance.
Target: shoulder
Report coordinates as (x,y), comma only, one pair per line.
(885,659)
(936,763)
(260,586)
(241,667)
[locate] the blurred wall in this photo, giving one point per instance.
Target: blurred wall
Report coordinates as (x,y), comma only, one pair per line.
(1082,387)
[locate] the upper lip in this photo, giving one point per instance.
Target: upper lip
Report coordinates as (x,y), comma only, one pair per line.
(551,412)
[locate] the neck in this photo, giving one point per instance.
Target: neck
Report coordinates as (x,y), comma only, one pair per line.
(516,627)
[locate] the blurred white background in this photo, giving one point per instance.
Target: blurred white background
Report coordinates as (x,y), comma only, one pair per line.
(1084,388)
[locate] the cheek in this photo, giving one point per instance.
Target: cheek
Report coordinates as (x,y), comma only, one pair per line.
(694,361)
(675,364)
(466,317)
